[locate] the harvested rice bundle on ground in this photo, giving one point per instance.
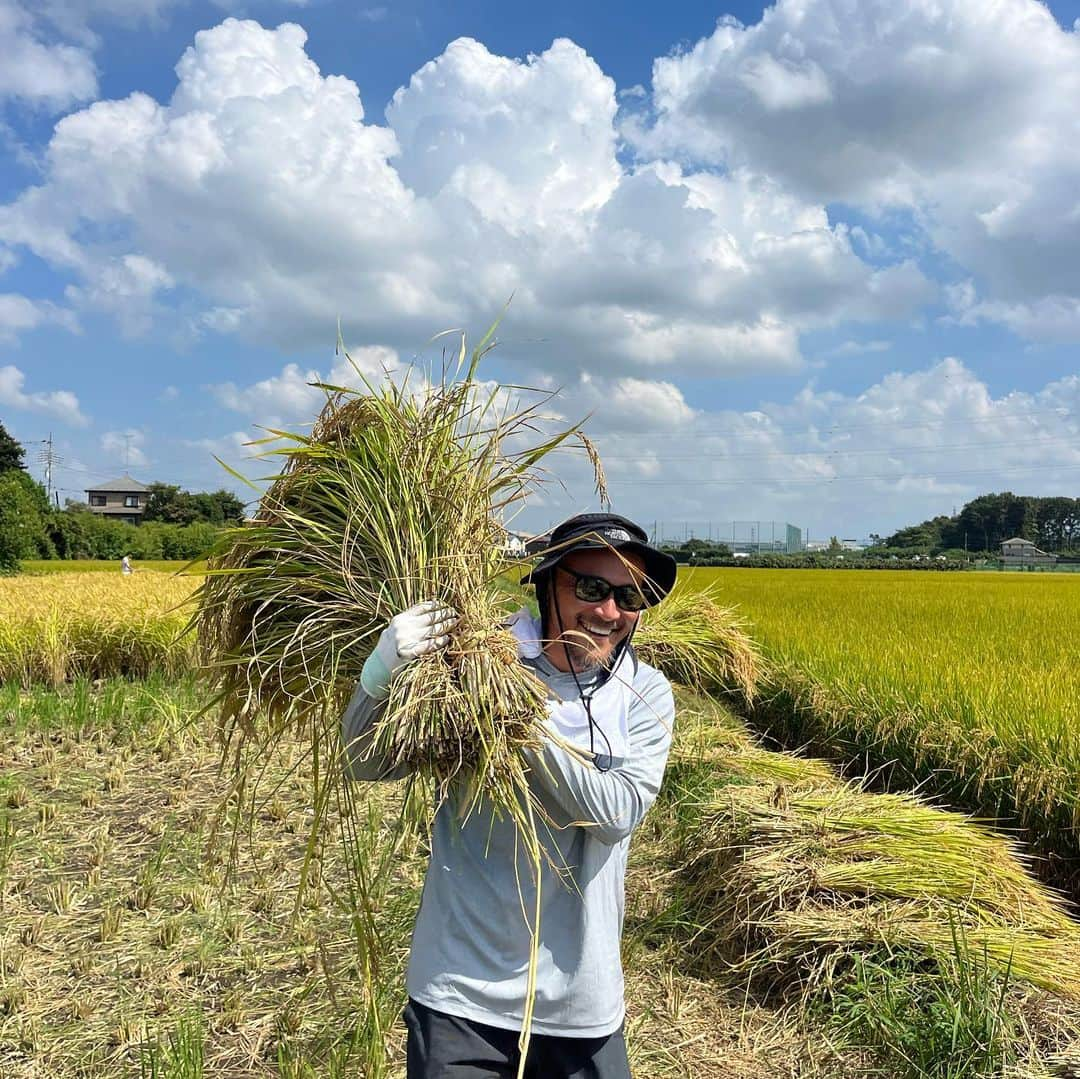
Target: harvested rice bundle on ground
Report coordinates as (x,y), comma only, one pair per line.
(794,879)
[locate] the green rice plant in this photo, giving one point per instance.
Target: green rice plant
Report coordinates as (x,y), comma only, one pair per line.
(944,1019)
(182,1057)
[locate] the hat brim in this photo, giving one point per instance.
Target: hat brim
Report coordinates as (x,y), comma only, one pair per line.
(660,568)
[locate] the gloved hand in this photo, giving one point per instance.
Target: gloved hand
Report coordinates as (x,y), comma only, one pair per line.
(420,629)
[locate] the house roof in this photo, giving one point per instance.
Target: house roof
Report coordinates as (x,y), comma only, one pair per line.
(124,485)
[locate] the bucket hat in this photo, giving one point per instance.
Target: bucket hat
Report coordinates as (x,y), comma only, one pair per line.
(599,531)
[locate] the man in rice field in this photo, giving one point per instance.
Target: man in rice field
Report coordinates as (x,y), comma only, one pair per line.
(469,962)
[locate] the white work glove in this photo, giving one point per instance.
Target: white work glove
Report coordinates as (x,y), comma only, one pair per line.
(420,629)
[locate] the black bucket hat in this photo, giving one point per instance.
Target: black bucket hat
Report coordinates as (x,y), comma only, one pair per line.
(600,531)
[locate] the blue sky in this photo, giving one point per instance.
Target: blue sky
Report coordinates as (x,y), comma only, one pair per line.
(816,262)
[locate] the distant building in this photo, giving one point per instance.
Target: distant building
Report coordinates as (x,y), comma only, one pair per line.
(1020,553)
(121,500)
(514,544)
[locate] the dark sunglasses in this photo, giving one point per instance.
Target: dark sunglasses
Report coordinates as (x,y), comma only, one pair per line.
(590,589)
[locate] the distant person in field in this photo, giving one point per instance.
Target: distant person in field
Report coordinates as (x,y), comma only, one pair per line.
(470,948)
(125,566)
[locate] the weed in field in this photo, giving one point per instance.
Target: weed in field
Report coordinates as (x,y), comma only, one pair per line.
(944,1020)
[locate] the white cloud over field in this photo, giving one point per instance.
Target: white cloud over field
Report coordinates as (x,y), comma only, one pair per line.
(263,194)
(961,112)
(912,444)
(62,405)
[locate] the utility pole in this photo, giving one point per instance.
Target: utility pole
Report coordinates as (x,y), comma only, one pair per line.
(47,457)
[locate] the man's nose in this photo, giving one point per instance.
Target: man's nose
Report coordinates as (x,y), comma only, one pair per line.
(608,609)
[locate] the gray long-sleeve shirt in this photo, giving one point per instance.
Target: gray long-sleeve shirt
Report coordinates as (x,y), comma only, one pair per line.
(471,943)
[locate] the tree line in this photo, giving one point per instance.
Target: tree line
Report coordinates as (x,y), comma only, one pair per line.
(176,524)
(1051,523)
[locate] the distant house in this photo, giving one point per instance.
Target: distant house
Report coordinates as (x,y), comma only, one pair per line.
(1020,553)
(514,544)
(121,500)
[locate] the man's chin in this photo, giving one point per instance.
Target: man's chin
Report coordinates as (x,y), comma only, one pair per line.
(592,653)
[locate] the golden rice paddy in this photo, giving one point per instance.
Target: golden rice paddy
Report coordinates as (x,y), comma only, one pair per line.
(93,625)
(966,684)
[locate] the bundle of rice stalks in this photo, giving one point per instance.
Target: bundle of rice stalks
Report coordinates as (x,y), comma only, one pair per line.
(699,643)
(393,498)
(796,879)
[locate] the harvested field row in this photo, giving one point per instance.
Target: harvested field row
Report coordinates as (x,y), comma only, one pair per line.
(123,936)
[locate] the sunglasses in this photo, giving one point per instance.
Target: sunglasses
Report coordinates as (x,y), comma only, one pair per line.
(590,589)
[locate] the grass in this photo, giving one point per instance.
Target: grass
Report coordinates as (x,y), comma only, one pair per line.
(949,1020)
(964,686)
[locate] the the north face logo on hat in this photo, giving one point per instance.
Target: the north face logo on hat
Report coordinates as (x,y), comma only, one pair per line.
(619,535)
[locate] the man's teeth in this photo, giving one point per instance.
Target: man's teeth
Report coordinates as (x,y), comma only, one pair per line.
(598,631)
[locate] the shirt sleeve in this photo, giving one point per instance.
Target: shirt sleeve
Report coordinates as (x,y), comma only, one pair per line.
(357,730)
(612,804)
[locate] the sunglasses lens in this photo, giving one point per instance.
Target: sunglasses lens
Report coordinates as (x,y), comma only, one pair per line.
(592,589)
(628,598)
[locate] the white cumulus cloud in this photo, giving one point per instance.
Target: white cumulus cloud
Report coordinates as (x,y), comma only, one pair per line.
(37,71)
(263,195)
(907,447)
(293,396)
(957,111)
(60,404)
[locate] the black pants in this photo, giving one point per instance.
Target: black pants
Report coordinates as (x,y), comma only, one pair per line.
(447,1047)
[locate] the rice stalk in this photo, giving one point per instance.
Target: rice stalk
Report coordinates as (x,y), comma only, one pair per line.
(794,878)
(699,643)
(599,475)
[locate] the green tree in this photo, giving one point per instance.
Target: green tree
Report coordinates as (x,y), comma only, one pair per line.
(171,504)
(835,546)
(11,452)
(23,509)
(166,502)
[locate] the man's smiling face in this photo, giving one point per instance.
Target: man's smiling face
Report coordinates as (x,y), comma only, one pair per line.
(590,631)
